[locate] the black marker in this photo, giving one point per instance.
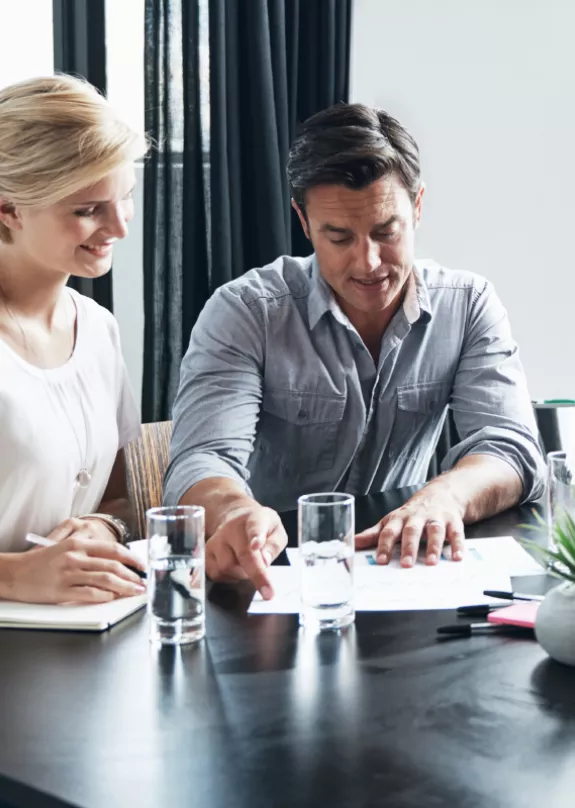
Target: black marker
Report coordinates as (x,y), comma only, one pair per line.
(466,630)
(495,593)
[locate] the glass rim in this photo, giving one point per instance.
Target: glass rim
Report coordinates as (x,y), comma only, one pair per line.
(175,512)
(339,498)
(558,454)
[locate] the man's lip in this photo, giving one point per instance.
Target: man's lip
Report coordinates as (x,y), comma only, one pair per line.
(367,281)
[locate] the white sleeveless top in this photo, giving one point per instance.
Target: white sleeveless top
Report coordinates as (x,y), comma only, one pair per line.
(41,452)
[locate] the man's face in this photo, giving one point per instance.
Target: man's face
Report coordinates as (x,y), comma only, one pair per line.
(364,242)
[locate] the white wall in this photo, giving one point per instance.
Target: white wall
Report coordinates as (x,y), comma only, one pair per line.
(125,55)
(26,43)
(128,289)
(487,89)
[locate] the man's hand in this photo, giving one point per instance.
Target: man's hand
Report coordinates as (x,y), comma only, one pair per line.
(433,513)
(244,545)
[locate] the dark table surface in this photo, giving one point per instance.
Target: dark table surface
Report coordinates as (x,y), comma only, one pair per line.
(261,714)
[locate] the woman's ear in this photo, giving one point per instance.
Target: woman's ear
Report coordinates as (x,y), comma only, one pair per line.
(9,215)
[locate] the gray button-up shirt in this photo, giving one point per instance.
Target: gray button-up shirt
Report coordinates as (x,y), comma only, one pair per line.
(279,392)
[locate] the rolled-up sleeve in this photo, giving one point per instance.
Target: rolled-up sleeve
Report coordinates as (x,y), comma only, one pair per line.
(218,403)
(490,400)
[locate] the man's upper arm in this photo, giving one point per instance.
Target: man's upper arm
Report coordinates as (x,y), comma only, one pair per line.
(217,407)
(490,399)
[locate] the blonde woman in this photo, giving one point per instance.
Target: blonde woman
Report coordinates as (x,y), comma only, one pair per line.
(66,410)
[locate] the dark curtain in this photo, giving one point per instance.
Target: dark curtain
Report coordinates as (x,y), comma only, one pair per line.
(175,235)
(273,63)
(80,49)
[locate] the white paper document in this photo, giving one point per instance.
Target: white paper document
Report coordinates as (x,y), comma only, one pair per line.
(506,553)
(488,564)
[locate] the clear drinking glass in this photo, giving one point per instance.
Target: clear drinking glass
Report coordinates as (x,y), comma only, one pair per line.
(176,592)
(326,531)
(560,491)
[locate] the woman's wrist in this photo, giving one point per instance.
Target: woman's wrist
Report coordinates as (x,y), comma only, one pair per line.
(113,525)
(7,580)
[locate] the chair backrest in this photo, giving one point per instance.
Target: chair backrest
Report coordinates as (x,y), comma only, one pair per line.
(146,463)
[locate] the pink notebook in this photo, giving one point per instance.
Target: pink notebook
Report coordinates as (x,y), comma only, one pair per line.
(520,614)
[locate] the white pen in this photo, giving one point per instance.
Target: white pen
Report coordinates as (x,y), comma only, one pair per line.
(34,538)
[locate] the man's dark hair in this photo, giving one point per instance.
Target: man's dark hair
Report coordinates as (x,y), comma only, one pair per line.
(352,145)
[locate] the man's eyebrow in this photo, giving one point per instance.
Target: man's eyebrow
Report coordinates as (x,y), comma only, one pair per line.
(331,228)
(382,225)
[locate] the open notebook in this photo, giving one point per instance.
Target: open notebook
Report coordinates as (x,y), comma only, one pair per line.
(93,617)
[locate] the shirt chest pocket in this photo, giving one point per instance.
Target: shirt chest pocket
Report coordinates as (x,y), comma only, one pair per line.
(300,428)
(420,412)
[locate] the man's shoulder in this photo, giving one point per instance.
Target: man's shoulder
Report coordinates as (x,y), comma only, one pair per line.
(286,277)
(437,277)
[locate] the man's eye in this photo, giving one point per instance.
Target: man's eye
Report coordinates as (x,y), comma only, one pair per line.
(345,240)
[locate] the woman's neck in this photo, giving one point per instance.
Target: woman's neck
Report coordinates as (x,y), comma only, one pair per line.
(30,291)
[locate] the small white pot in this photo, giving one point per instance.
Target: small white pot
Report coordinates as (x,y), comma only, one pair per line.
(555,624)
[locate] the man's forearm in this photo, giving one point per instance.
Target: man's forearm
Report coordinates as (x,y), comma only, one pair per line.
(482,484)
(219,496)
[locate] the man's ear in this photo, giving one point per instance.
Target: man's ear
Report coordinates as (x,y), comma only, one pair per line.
(9,215)
(417,205)
(302,218)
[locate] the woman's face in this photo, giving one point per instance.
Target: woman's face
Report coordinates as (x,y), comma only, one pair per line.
(76,235)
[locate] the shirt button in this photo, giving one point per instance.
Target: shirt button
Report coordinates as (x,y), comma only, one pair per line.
(302,414)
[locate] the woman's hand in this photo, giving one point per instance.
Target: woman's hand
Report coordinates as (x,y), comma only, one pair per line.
(75,569)
(83,529)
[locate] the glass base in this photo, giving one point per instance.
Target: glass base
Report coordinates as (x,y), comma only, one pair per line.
(326,618)
(176,632)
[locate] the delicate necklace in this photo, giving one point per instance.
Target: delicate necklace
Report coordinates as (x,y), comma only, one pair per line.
(84,477)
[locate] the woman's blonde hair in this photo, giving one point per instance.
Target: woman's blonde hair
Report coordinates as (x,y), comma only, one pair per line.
(57,136)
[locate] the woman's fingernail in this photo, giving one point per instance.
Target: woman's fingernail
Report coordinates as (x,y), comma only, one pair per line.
(266,593)
(407,561)
(432,558)
(382,558)
(457,555)
(256,543)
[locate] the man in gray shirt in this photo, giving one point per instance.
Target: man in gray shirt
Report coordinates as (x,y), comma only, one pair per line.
(334,372)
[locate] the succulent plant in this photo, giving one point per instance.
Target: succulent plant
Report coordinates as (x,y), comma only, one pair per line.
(560,561)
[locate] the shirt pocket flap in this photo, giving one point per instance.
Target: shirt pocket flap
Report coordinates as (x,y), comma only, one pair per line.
(304,408)
(426,398)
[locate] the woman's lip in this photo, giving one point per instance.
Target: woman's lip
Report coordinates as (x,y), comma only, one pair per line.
(99,250)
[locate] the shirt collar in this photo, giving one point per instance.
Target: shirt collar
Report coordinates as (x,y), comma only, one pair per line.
(320,297)
(416,304)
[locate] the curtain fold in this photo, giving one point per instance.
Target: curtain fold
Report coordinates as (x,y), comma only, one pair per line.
(175,235)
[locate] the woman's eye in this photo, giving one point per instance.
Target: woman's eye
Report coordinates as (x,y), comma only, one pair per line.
(85,212)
